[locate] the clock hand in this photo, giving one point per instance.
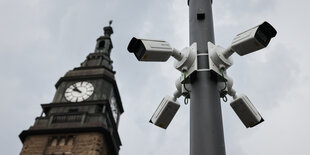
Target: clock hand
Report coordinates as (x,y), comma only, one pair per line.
(77,90)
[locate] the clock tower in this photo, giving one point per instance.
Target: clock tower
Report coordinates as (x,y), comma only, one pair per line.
(83,117)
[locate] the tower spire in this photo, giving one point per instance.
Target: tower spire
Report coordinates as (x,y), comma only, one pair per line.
(104,43)
(101,55)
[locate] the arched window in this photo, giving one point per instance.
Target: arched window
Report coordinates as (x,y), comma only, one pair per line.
(101,45)
(70,141)
(62,141)
(54,141)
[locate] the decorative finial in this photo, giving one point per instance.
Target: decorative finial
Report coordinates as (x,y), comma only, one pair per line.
(108,29)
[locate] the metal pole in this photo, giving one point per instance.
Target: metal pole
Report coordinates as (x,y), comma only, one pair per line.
(206,127)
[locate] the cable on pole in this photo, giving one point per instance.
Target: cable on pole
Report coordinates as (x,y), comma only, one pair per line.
(186,97)
(223,92)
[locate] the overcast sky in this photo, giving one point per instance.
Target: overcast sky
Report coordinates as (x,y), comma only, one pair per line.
(42,39)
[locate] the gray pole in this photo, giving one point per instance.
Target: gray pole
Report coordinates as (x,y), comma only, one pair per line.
(206,127)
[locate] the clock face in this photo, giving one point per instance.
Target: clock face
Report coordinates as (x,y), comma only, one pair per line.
(79,91)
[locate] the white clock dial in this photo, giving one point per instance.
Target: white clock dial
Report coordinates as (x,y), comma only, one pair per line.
(79,91)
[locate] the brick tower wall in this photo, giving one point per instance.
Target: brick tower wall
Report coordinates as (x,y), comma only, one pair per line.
(65,144)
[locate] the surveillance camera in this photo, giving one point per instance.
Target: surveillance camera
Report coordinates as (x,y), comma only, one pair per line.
(252,40)
(152,50)
(246,111)
(165,112)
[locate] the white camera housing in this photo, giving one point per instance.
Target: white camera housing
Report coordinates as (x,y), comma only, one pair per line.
(152,50)
(246,111)
(252,40)
(159,50)
(165,112)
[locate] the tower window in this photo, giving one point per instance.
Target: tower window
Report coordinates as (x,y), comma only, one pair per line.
(54,141)
(70,140)
(101,45)
(62,141)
